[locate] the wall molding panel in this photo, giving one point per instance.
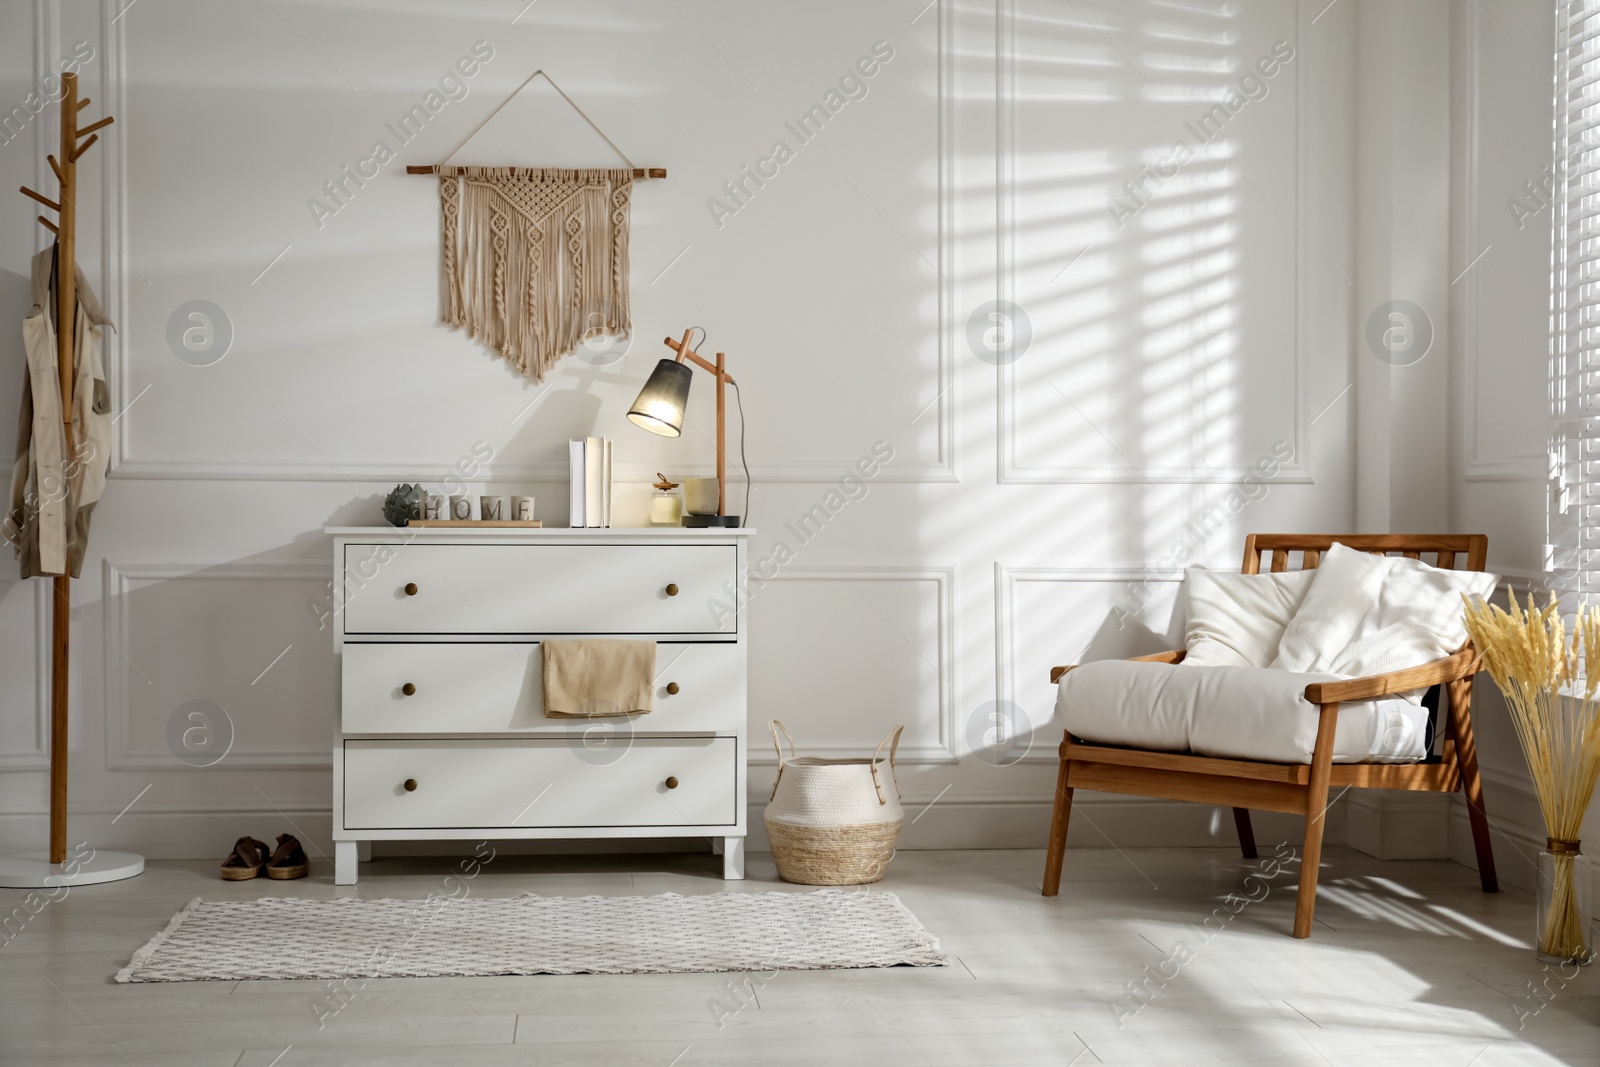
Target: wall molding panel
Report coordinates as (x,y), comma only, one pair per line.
(1006,578)
(1476,466)
(1010,468)
(121,676)
(37,758)
(125,462)
(944,750)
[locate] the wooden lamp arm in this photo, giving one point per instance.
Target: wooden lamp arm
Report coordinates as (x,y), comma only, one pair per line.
(1174,656)
(1461,664)
(687,353)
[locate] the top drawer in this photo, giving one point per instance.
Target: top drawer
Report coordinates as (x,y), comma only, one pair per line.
(500,590)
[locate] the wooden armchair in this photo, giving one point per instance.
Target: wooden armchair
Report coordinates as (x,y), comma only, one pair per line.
(1300,789)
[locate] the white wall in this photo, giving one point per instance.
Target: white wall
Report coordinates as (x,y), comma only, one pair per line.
(1501,99)
(1035,513)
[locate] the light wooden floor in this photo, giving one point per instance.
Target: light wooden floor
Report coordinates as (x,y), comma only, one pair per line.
(1409,964)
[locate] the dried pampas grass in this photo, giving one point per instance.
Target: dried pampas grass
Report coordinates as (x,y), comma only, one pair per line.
(1549,678)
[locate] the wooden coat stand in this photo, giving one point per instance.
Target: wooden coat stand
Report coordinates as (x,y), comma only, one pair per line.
(87,865)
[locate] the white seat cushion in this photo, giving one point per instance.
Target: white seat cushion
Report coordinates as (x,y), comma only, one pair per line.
(1238,620)
(1231,712)
(1367,614)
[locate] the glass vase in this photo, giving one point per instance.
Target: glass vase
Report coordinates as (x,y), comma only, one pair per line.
(1562,916)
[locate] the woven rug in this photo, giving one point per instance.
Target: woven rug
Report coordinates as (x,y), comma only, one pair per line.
(442,937)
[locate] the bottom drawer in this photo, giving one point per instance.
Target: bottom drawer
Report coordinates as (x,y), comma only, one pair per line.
(532,783)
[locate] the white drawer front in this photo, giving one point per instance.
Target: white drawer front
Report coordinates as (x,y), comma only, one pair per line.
(496,590)
(539,782)
(496,687)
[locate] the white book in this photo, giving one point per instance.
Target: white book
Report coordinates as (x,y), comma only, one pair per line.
(605,487)
(575,462)
(593,481)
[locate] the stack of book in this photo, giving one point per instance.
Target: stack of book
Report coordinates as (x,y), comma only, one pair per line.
(590,459)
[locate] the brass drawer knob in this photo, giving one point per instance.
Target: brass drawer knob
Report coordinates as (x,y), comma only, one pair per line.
(672,783)
(411,785)
(672,687)
(408,689)
(672,588)
(411,589)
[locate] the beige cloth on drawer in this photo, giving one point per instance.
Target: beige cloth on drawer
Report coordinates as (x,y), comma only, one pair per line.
(589,677)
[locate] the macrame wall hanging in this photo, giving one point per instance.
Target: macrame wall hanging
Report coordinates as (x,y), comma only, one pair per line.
(534,260)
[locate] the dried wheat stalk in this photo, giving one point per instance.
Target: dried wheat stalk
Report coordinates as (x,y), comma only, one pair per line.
(1549,679)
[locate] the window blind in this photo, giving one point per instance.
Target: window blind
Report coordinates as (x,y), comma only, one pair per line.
(1573,554)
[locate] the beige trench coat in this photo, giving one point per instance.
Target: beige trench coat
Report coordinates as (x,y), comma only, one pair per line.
(53,493)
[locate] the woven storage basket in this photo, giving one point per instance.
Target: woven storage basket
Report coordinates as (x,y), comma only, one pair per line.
(833,821)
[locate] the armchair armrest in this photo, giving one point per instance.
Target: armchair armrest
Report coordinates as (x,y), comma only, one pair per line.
(1463,663)
(1174,656)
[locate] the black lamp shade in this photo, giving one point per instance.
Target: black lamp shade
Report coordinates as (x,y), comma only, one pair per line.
(662,401)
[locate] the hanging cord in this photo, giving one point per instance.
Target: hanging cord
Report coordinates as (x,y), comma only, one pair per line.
(584,115)
(739,399)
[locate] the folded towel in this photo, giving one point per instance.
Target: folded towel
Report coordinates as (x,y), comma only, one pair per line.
(586,678)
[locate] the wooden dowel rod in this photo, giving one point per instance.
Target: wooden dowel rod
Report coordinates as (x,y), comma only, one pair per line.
(48,225)
(54,166)
(84,147)
(685,352)
(681,347)
(45,200)
(66,318)
(436,168)
(93,126)
(83,103)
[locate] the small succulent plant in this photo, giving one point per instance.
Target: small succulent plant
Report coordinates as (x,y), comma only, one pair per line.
(403,502)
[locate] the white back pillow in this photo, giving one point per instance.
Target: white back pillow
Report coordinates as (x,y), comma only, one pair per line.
(1238,620)
(1367,614)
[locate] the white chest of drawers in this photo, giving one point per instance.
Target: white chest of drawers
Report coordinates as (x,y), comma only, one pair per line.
(441,731)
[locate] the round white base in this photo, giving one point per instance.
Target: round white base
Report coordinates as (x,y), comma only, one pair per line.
(33,870)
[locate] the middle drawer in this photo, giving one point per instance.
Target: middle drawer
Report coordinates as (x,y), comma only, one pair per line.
(497,688)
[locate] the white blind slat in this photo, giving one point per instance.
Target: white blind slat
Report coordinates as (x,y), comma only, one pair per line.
(1574,373)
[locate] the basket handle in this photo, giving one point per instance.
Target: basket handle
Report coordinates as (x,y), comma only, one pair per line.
(893,741)
(773,725)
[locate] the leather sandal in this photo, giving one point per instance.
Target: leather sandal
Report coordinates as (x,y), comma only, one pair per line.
(288,859)
(245,861)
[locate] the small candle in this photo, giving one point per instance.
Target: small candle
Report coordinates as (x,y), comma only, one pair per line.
(666,506)
(666,509)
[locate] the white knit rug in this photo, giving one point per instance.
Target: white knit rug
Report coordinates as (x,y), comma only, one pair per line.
(438,937)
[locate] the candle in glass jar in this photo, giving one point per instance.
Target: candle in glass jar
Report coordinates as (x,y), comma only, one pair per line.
(666,506)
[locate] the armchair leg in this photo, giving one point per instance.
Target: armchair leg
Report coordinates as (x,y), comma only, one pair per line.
(1316,819)
(1471,783)
(1057,853)
(1247,834)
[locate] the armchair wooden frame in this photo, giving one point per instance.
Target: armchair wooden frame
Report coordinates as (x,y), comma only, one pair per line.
(1301,789)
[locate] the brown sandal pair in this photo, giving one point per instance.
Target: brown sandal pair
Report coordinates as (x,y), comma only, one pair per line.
(249,857)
